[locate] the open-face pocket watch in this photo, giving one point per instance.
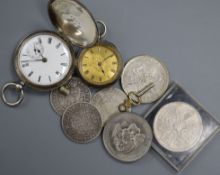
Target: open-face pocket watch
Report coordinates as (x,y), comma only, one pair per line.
(45,60)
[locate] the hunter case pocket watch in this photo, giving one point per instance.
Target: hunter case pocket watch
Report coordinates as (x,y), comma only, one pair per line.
(99,62)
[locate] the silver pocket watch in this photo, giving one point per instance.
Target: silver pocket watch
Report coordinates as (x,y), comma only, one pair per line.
(45,60)
(99,63)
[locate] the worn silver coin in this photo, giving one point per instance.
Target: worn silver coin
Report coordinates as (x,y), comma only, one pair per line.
(78,92)
(81,122)
(178,126)
(127,137)
(107,101)
(141,71)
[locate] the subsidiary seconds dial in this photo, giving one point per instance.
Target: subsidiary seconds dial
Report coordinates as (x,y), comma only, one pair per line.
(44,61)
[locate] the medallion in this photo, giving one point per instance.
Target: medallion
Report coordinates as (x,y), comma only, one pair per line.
(127,137)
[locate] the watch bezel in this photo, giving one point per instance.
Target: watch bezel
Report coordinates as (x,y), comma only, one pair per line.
(35,86)
(114,49)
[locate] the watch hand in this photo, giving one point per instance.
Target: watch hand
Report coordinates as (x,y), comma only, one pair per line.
(102,70)
(107,58)
(35,50)
(38,49)
(100,67)
(40,53)
(44,59)
(36,60)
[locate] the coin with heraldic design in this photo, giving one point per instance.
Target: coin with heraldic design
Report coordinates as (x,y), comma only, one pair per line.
(78,92)
(107,101)
(127,137)
(141,71)
(178,127)
(81,123)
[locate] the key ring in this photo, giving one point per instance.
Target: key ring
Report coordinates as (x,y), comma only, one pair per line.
(102,29)
(18,88)
(134,98)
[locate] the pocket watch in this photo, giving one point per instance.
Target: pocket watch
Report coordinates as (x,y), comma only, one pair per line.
(46,60)
(100,64)
(43,61)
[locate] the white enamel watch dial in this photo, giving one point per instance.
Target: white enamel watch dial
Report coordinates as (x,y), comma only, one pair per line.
(44,60)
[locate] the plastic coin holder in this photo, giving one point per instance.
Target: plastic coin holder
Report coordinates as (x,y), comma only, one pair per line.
(179,160)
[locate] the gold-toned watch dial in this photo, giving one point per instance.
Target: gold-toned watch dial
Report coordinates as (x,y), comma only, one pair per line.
(99,65)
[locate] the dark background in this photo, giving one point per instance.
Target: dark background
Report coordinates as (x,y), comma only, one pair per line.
(185,34)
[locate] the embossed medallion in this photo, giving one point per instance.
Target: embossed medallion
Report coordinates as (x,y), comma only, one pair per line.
(79,92)
(81,123)
(107,101)
(178,126)
(141,71)
(127,137)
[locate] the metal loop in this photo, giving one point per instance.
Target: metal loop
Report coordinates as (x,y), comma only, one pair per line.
(65,90)
(19,89)
(134,98)
(122,108)
(125,106)
(102,29)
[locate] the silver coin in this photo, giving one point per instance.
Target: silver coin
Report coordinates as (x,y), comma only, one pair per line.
(79,92)
(107,101)
(178,127)
(127,137)
(141,71)
(81,122)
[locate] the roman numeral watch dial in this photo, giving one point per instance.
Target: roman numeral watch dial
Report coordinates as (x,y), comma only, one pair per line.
(100,65)
(43,62)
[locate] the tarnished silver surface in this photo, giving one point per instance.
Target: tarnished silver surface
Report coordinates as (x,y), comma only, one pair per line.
(107,101)
(127,137)
(178,126)
(81,122)
(141,71)
(78,92)
(75,21)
